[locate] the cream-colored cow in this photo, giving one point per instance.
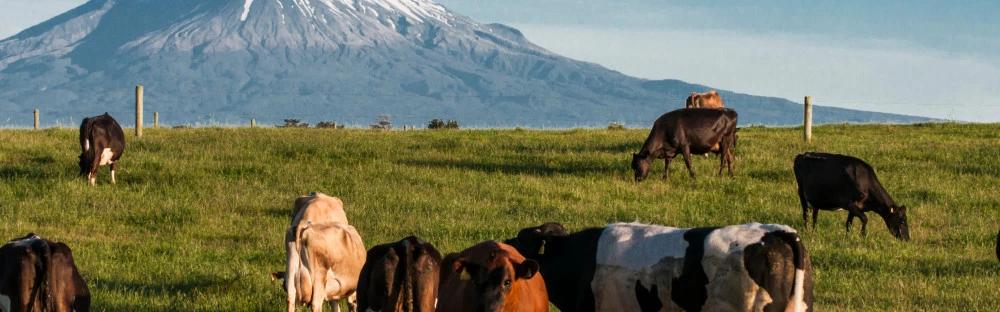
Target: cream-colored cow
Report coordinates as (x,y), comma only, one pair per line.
(325,254)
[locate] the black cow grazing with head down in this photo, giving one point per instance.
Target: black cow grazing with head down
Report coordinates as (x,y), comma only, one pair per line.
(102,142)
(640,267)
(688,131)
(400,276)
(39,275)
(833,182)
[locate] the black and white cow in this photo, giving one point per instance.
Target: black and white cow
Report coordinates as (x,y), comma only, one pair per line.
(40,275)
(640,267)
(102,142)
(833,182)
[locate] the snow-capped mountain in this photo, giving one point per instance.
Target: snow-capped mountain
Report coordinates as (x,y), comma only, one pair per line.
(341,60)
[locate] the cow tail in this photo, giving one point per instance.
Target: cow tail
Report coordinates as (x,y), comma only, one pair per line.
(43,259)
(797,302)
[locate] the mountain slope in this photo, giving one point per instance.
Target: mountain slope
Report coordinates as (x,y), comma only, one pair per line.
(343,60)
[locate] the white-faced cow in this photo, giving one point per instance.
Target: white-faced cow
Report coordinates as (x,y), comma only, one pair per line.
(639,267)
(833,182)
(40,275)
(102,142)
(688,131)
(400,276)
(491,276)
(325,254)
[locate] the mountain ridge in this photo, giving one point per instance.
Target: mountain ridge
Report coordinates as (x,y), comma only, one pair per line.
(348,61)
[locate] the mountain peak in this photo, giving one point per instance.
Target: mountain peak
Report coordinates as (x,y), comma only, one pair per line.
(341,60)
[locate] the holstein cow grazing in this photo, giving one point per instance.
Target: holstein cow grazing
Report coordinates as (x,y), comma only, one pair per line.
(39,275)
(491,276)
(639,267)
(102,142)
(833,182)
(400,276)
(710,99)
(325,254)
(688,131)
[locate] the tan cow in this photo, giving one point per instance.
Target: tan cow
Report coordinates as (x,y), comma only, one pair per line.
(325,254)
(710,99)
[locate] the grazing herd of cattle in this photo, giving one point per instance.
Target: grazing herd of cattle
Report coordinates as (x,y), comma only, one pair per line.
(618,267)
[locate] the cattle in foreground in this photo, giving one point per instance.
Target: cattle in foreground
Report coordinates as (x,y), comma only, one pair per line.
(686,132)
(491,276)
(400,276)
(749,267)
(710,99)
(40,275)
(325,254)
(102,142)
(833,182)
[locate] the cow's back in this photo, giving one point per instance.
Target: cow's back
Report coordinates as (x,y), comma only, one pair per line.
(100,132)
(318,208)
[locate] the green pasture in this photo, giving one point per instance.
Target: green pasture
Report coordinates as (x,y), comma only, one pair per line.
(197,218)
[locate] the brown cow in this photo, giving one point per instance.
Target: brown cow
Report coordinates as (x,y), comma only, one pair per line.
(400,276)
(686,132)
(325,254)
(710,99)
(491,276)
(39,275)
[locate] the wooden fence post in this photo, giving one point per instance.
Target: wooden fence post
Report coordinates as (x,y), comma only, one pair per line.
(36,119)
(138,110)
(807,123)
(156,120)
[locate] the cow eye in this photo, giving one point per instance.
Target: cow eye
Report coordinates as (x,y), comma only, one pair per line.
(506,283)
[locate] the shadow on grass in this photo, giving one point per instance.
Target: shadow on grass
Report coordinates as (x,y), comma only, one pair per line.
(177,292)
(532,168)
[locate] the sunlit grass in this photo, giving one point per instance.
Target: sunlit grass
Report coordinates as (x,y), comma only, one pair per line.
(197,218)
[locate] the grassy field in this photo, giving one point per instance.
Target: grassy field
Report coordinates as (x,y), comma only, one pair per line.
(197,218)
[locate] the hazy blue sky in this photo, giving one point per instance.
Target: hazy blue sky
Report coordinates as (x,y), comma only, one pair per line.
(931,58)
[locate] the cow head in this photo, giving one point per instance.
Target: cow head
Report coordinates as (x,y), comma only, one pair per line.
(488,280)
(84,164)
(896,221)
(531,242)
(640,164)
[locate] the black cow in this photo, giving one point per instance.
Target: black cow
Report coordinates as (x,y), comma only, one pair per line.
(102,142)
(832,182)
(688,131)
(400,276)
(626,267)
(39,275)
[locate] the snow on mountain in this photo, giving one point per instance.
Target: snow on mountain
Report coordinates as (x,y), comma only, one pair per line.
(344,60)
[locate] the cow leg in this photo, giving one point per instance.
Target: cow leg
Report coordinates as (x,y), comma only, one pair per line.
(291,275)
(722,162)
(352,302)
(113,174)
(850,219)
(687,159)
(856,210)
(864,223)
(334,306)
(805,210)
(730,158)
(666,166)
(815,213)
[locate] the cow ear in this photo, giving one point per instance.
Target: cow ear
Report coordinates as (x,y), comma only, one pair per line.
(526,269)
